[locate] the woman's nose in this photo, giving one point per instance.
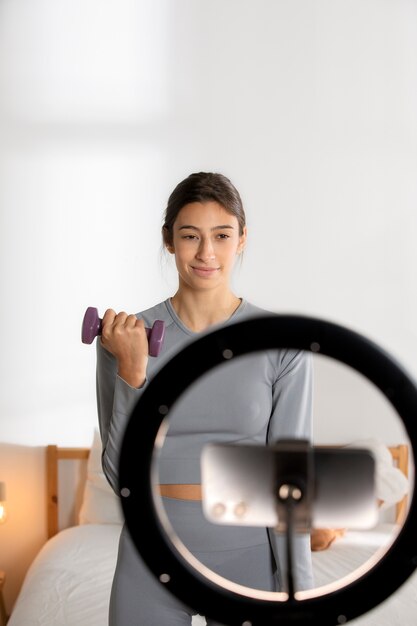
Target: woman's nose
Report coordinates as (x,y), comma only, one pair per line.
(206,250)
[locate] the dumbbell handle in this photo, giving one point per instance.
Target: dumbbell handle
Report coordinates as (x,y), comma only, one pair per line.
(92,325)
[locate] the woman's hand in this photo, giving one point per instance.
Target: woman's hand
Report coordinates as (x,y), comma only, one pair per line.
(125,337)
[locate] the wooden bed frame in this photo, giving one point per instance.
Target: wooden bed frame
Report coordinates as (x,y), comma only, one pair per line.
(400,458)
(54,454)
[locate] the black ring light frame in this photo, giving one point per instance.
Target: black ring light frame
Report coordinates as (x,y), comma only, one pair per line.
(139,499)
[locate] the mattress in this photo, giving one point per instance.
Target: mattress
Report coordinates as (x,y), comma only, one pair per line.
(69,580)
(357,549)
(68,584)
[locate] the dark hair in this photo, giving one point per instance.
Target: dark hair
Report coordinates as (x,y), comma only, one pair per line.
(202,187)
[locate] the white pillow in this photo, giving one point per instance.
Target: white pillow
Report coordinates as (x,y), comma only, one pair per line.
(100,505)
(390,483)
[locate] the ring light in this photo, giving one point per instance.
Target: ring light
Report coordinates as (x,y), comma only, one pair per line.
(158,544)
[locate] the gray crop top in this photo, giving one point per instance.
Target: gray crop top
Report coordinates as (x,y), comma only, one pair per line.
(256,398)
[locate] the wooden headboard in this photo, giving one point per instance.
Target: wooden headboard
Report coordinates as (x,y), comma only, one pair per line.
(401,460)
(54,454)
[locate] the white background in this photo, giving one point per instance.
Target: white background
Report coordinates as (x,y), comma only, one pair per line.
(308,106)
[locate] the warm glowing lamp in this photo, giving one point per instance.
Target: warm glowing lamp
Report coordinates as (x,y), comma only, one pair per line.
(3,508)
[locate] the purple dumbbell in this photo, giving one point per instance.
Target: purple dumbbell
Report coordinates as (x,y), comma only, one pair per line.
(92,327)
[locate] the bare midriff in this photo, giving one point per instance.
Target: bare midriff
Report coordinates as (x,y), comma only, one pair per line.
(181,492)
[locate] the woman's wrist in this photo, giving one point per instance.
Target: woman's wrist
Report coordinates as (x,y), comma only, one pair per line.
(134,380)
(134,376)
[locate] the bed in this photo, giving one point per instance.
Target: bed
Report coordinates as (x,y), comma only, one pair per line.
(68,583)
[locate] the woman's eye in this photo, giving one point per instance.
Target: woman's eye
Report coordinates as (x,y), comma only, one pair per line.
(195,238)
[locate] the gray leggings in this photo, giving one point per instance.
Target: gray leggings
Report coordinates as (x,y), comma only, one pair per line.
(240,554)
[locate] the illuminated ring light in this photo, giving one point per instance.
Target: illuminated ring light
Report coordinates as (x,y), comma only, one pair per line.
(157,542)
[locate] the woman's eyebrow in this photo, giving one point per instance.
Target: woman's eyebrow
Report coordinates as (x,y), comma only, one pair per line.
(190,227)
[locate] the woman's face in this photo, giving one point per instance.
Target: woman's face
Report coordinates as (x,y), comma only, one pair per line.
(205,242)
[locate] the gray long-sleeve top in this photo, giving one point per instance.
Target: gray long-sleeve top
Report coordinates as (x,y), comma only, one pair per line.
(256,398)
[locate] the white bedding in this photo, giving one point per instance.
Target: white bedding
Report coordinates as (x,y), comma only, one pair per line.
(353,550)
(68,584)
(69,581)
(348,553)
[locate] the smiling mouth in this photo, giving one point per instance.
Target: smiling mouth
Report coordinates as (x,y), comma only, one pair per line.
(205,270)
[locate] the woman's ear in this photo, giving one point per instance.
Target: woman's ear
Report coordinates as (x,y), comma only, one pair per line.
(167,239)
(242,241)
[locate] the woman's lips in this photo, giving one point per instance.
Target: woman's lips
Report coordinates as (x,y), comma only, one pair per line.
(205,271)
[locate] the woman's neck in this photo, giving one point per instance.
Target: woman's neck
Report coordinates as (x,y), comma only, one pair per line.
(200,310)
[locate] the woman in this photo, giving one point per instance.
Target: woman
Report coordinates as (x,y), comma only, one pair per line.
(257,399)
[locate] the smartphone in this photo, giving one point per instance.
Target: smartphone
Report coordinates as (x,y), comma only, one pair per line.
(245,485)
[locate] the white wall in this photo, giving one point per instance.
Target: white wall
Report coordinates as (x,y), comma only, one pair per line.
(308,106)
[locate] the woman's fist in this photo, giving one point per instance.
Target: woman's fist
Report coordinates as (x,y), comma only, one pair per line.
(125,337)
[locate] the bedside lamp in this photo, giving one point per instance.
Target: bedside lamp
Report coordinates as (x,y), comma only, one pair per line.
(3,509)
